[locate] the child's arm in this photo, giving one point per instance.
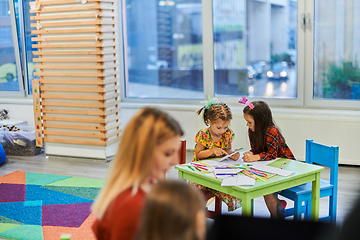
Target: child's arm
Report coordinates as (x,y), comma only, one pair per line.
(203,153)
(233,157)
(250,157)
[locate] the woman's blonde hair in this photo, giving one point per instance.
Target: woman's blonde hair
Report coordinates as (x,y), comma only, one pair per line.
(170,212)
(131,166)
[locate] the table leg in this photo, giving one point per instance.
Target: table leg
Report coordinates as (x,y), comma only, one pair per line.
(247,207)
(181,175)
(315,198)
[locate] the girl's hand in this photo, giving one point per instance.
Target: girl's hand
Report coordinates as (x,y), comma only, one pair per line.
(247,152)
(218,152)
(235,156)
(250,157)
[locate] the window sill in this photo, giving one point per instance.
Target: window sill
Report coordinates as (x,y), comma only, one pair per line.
(19,101)
(237,109)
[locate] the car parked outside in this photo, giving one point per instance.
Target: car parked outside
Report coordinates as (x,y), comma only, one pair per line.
(278,70)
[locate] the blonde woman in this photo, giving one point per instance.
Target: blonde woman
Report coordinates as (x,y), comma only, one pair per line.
(148,148)
(173,210)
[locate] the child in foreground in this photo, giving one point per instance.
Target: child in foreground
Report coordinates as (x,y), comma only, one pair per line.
(173,210)
(266,143)
(215,141)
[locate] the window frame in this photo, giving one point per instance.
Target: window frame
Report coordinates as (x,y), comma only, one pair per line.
(21,92)
(309,73)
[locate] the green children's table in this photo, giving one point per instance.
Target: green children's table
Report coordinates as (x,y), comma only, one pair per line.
(303,173)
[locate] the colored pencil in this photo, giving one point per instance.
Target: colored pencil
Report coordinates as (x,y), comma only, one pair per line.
(205,165)
(259,172)
(260,178)
(200,166)
(191,168)
(234,167)
(226,174)
(247,174)
(210,200)
(272,176)
(256,173)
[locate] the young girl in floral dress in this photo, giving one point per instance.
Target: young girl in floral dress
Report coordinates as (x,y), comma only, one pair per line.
(215,141)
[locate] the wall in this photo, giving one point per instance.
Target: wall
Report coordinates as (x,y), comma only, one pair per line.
(19,110)
(331,127)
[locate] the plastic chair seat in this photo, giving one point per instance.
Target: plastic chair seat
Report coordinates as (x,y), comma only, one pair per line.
(307,187)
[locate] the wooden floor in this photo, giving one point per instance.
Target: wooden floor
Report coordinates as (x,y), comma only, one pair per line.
(348,191)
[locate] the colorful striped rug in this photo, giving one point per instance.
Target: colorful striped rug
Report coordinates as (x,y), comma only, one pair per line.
(36,206)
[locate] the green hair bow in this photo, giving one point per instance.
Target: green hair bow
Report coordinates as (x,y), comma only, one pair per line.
(209,102)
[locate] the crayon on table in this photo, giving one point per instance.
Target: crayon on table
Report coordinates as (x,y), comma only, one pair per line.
(205,165)
(260,173)
(260,178)
(191,168)
(200,166)
(256,173)
(235,167)
(226,174)
(248,174)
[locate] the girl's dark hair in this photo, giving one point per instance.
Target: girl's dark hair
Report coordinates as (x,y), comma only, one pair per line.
(215,112)
(263,119)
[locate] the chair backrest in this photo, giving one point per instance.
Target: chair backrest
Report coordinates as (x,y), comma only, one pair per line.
(182,151)
(324,155)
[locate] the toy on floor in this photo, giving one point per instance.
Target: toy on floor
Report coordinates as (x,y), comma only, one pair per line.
(4,114)
(2,154)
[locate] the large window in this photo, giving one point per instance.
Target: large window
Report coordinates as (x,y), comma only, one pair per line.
(163,52)
(255,48)
(337,50)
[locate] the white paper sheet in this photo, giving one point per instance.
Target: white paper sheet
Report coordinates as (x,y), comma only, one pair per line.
(244,180)
(263,163)
(218,176)
(233,162)
(238,180)
(214,163)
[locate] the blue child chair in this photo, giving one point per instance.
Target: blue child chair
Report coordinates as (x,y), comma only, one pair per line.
(2,154)
(326,156)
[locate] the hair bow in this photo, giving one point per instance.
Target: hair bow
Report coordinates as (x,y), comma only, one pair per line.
(245,101)
(209,102)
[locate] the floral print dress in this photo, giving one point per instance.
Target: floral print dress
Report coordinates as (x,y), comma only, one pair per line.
(203,137)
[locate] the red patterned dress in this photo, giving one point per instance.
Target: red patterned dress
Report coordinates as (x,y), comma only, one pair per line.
(275,146)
